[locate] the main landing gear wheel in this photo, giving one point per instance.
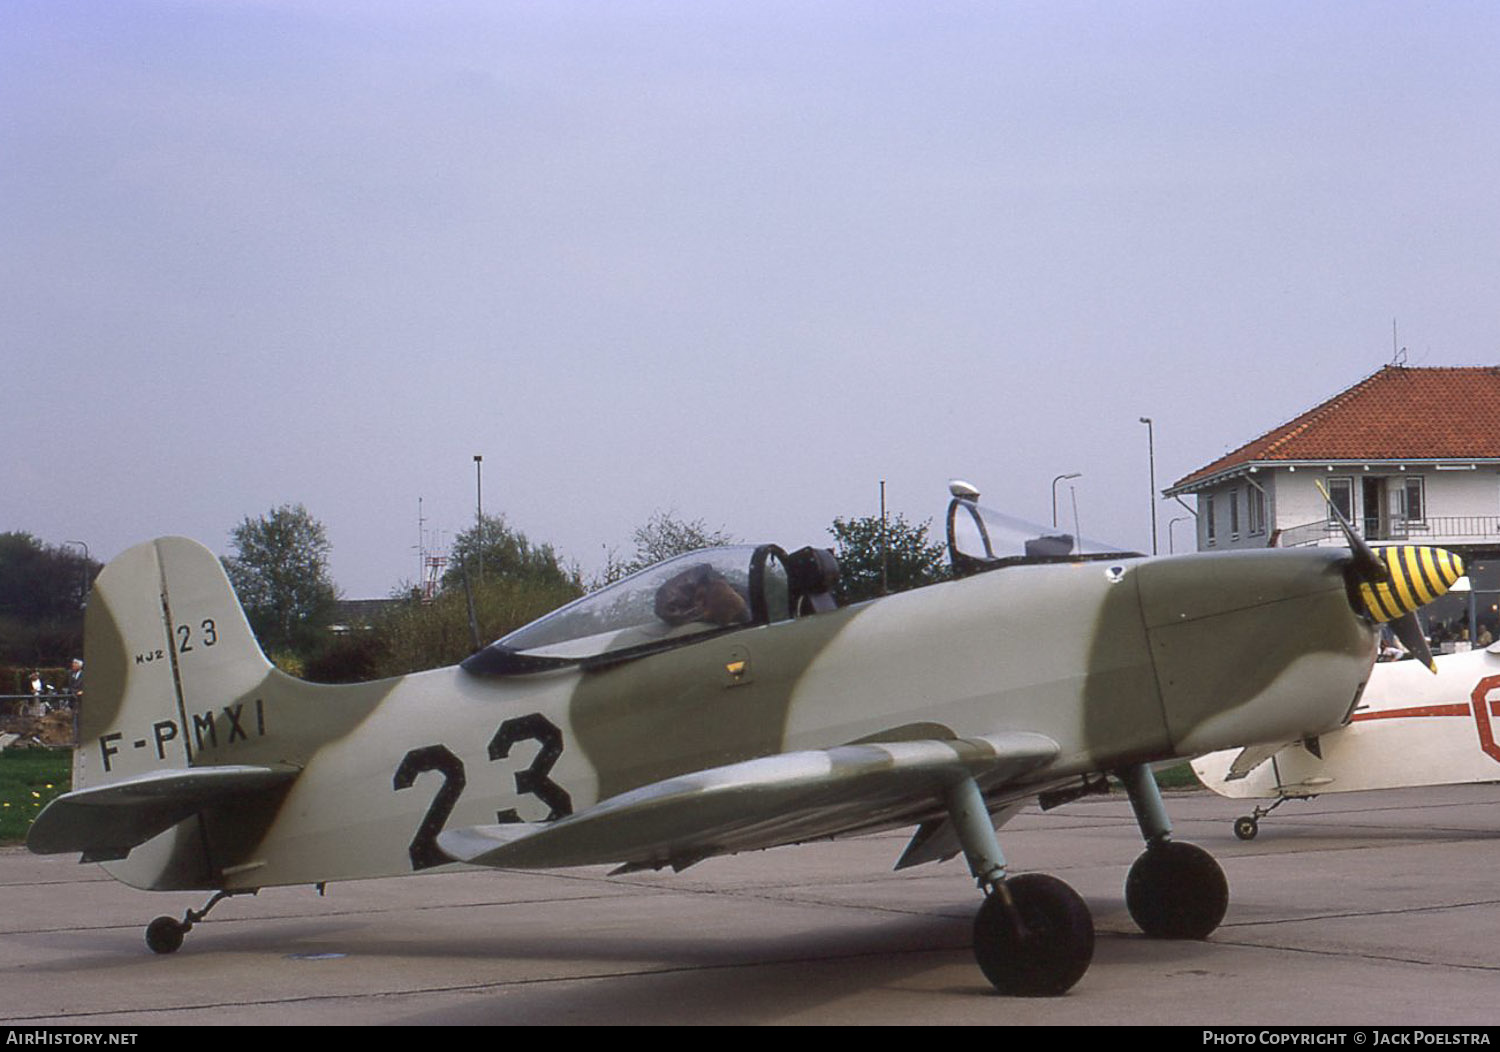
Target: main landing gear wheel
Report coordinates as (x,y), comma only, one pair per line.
(1176,891)
(164,934)
(1245,827)
(1039,944)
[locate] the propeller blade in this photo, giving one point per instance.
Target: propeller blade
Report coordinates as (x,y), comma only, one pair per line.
(1369,568)
(1410,633)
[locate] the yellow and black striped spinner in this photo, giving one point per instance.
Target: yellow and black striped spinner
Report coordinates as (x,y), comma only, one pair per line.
(1418,575)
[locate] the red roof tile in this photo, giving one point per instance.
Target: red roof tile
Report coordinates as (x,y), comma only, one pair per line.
(1398,413)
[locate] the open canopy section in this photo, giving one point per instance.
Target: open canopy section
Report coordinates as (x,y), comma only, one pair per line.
(981,538)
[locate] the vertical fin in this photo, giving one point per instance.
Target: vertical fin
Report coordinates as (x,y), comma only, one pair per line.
(163,633)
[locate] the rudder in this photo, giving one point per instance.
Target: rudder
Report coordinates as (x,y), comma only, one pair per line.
(163,628)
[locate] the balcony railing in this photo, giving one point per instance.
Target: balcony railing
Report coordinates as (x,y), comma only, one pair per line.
(1436,529)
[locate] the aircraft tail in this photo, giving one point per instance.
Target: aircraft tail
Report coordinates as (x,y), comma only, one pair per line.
(164,637)
(172,723)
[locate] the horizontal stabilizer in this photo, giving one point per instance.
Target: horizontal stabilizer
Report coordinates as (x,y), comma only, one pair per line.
(783,799)
(106,821)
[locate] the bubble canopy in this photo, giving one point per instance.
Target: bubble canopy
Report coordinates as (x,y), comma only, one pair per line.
(691,596)
(704,589)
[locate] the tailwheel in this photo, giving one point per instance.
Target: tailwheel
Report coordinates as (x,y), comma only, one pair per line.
(164,934)
(1176,891)
(1034,936)
(1245,827)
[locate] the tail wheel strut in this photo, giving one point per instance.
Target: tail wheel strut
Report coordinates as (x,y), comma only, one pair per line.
(165,934)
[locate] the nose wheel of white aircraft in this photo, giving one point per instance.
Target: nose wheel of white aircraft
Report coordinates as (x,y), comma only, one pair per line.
(1033,936)
(1246,826)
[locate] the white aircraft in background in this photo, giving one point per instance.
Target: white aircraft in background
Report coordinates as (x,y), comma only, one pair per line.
(1410,729)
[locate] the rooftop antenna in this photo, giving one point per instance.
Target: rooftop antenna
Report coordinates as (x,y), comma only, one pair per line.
(421,541)
(1398,353)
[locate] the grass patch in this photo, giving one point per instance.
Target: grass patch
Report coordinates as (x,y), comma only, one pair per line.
(29,778)
(1177,776)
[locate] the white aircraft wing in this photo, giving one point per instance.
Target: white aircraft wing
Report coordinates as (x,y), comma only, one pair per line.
(782,799)
(1411,728)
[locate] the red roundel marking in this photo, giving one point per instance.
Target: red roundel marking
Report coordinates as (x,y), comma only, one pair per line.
(1482,716)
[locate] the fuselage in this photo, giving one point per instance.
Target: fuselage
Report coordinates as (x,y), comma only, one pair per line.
(1118,662)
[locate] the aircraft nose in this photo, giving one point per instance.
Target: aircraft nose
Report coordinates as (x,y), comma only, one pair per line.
(1389,586)
(1254,647)
(1416,575)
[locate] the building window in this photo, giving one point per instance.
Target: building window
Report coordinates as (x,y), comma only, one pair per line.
(1256,507)
(1341,494)
(1234,514)
(1208,519)
(1413,499)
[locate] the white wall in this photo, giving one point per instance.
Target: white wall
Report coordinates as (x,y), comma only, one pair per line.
(1292,498)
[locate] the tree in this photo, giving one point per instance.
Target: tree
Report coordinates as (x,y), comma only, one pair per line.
(42,592)
(280,570)
(492,549)
(661,537)
(418,635)
(665,535)
(911,560)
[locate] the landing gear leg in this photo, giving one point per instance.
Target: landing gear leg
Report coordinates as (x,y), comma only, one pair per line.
(165,934)
(1174,890)
(1033,936)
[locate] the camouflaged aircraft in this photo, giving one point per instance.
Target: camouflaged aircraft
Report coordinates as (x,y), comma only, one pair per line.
(715,703)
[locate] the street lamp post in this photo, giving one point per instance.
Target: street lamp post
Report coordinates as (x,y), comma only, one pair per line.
(479,511)
(1171,537)
(1071,475)
(83,584)
(1151,450)
(885,582)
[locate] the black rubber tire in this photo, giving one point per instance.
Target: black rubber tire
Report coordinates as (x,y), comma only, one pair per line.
(164,935)
(1053,948)
(1245,827)
(1177,891)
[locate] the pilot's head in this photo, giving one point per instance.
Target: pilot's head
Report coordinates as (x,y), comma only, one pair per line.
(701,594)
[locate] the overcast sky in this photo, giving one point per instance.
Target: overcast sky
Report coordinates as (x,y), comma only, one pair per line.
(741,260)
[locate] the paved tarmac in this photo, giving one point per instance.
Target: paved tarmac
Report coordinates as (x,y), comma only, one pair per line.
(1360,909)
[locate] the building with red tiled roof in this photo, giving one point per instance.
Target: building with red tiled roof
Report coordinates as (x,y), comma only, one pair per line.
(1406,453)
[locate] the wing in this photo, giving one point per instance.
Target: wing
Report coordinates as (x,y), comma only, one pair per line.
(105,822)
(782,799)
(1250,758)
